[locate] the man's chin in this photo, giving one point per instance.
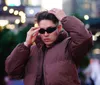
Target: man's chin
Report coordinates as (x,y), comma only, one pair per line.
(48,43)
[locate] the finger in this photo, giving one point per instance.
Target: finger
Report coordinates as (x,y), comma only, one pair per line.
(52,11)
(36,32)
(32,32)
(34,37)
(34,28)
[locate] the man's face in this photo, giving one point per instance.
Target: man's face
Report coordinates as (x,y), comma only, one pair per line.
(48,38)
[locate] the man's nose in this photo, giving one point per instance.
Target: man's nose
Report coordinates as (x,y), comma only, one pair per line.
(46,34)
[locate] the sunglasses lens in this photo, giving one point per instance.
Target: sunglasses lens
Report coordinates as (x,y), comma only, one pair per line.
(51,29)
(41,31)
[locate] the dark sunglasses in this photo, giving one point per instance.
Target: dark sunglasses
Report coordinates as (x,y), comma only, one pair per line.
(48,30)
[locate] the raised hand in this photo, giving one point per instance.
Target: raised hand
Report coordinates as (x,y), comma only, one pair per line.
(58,13)
(31,36)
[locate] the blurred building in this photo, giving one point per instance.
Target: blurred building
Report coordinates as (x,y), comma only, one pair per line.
(18,11)
(98,7)
(90,7)
(69,6)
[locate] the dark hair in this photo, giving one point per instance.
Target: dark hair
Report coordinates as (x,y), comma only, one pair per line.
(46,16)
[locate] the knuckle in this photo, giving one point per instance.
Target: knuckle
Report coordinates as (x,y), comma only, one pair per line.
(28,33)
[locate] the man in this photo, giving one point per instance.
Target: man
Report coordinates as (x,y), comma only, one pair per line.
(55,58)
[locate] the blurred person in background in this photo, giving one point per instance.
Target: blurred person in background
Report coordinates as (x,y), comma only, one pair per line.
(95,71)
(87,71)
(13,82)
(92,72)
(56,56)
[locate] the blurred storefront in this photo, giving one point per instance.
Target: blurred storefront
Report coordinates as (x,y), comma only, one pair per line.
(20,10)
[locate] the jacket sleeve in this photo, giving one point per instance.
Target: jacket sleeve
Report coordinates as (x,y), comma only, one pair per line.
(81,39)
(15,62)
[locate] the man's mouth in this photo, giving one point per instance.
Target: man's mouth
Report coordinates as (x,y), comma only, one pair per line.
(47,40)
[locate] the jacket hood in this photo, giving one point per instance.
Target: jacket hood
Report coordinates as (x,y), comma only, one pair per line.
(62,35)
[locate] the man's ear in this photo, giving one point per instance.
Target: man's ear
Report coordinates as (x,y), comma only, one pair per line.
(59,28)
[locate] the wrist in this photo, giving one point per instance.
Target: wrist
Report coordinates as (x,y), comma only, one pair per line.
(25,43)
(62,18)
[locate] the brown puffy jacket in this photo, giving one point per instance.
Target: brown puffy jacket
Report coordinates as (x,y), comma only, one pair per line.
(58,63)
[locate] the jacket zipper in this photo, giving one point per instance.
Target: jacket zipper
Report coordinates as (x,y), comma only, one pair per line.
(45,82)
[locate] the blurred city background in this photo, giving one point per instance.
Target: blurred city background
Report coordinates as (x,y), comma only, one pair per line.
(17,17)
